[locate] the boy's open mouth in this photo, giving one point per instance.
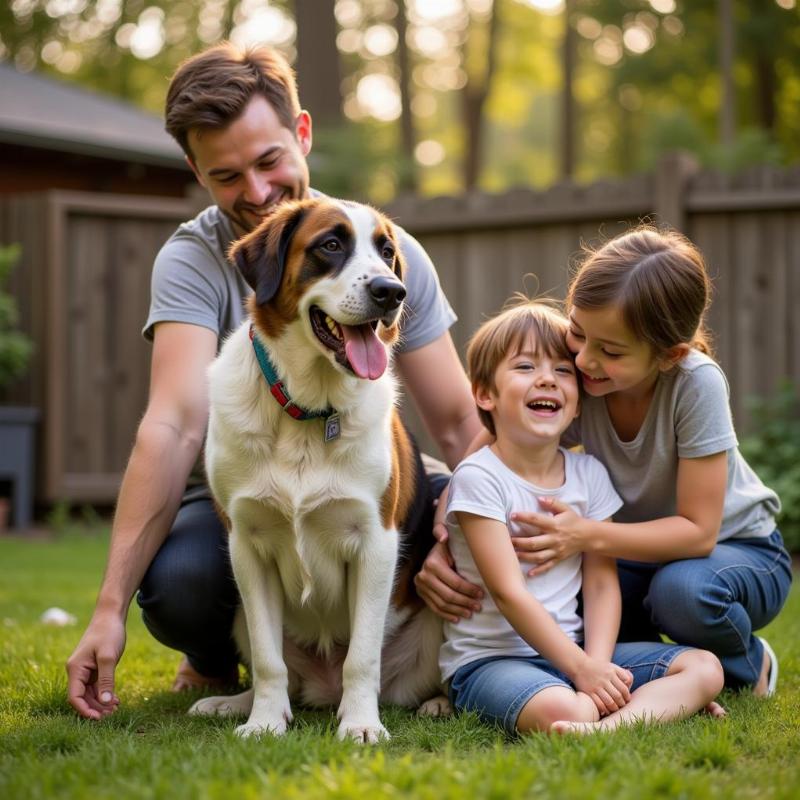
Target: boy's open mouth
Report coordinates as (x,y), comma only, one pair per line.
(545,405)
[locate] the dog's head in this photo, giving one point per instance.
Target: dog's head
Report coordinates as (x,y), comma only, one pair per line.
(334,268)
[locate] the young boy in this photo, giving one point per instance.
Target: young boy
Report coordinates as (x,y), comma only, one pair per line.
(528,661)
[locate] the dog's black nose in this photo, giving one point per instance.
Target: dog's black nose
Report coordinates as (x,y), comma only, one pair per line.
(388,293)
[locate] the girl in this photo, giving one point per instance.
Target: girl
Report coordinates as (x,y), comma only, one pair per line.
(700,558)
(528,661)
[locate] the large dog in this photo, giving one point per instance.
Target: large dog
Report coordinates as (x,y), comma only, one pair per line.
(316,477)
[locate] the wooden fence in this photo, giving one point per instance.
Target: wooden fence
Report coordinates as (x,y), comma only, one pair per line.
(84,282)
(748,227)
(83,285)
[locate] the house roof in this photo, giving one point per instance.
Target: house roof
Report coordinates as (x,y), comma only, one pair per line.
(39,111)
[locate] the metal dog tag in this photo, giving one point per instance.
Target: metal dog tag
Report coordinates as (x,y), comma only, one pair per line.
(333,427)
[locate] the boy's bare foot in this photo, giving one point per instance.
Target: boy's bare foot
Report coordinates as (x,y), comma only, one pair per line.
(765,685)
(187,677)
(564,727)
(714,709)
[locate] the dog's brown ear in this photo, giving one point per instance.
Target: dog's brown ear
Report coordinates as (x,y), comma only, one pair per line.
(261,256)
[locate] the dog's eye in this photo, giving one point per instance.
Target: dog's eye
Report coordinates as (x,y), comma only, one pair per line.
(331,246)
(387,253)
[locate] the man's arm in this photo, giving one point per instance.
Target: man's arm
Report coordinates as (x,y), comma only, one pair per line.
(167,444)
(436,381)
(439,388)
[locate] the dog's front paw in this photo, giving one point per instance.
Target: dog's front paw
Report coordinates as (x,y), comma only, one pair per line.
(275,726)
(237,705)
(438,706)
(271,714)
(362,732)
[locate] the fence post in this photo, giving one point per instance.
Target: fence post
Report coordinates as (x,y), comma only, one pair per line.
(674,171)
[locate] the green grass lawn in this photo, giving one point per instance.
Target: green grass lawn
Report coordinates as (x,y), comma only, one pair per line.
(151,749)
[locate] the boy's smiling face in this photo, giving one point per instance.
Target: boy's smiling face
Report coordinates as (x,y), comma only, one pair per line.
(535,395)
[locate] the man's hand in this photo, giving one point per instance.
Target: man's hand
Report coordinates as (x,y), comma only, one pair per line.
(549,536)
(90,669)
(444,591)
(607,684)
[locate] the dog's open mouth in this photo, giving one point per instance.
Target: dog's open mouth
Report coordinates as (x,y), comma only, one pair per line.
(355,347)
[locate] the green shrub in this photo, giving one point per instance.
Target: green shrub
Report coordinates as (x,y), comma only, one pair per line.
(773,451)
(15,347)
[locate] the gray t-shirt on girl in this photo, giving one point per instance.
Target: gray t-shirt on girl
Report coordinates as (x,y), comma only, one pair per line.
(689,417)
(193,282)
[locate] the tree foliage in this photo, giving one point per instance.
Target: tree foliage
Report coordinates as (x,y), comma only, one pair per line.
(439,95)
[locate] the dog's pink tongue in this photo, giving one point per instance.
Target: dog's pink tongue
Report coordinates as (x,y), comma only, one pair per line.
(364,351)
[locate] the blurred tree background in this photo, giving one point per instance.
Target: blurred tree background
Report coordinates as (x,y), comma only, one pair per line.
(439,96)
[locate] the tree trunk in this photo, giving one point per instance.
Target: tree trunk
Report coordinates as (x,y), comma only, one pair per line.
(318,71)
(567,96)
(727,108)
(473,99)
(408,174)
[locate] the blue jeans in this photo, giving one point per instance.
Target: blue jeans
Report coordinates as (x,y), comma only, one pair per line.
(715,603)
(188,595)
(498,688)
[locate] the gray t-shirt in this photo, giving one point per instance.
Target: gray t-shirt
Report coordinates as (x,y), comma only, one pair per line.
(689,417)
(193,282)
(482,484)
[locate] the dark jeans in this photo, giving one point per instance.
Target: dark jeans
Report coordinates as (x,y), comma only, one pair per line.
(715,603)
(188,595)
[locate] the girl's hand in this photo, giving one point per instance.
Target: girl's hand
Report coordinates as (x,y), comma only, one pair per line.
(607,684)
(551,537)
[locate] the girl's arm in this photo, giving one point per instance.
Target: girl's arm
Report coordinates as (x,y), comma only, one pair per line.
(490,545)
(691,533)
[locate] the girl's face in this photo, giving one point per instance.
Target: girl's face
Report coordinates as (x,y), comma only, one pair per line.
(535,396)
(608,355)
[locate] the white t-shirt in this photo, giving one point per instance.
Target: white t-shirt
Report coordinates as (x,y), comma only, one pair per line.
(482,484)
(689,417)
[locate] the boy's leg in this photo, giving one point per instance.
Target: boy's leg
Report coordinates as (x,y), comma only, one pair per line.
(669,683)
(717,602)
(554,704)
(188,596)
(517,694)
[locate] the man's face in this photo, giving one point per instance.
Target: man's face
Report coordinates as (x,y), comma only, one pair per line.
(253,164)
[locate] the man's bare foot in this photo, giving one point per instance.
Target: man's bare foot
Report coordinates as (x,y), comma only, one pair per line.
(187,677)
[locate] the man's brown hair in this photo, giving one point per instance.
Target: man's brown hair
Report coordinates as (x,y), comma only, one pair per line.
(212,89)
(506,334)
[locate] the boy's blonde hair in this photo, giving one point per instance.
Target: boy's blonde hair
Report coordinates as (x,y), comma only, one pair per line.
(507,333)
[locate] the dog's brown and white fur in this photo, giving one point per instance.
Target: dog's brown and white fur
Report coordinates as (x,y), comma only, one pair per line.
(316,526)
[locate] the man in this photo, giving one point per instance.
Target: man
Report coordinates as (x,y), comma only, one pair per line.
(237,117)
